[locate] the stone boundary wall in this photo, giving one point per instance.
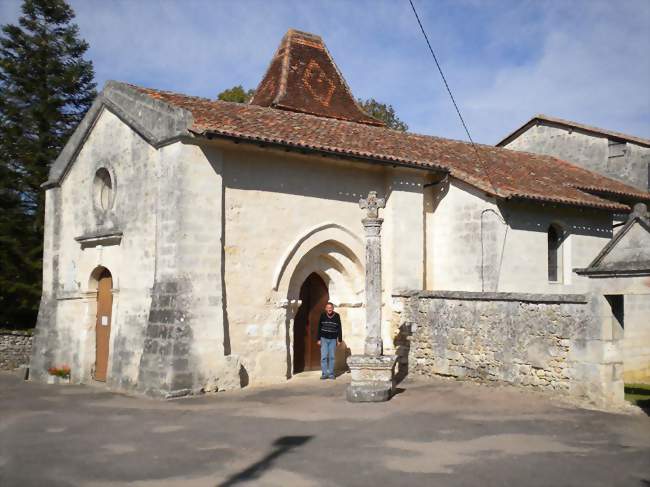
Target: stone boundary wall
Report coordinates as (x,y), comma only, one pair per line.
(548,342)
(15,349)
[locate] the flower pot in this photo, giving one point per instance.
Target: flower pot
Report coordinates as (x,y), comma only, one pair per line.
(54,379)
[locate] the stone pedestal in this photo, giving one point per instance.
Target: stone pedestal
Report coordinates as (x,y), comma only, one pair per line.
(372,378)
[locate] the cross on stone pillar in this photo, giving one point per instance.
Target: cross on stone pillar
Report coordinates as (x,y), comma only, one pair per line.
(372,372)
(372,225)
(372,205)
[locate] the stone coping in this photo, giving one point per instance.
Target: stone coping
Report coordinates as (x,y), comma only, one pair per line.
(371,361)
(494,296)
(113,237)
(99,235)
(613,272)
(23,333)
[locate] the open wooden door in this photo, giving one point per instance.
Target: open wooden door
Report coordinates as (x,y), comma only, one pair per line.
(103,324)
(314,296)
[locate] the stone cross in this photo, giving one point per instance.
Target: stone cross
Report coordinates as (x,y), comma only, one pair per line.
(372,204)
(372,225)
(372,372)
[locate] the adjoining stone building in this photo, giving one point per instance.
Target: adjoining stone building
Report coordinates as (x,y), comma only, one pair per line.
(621,273)
(190,243)
(626,158)
(614,154)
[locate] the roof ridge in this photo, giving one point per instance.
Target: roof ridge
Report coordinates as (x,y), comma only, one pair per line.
(286,57)
(616,238)
(346,86)
(575,125)
(592,128)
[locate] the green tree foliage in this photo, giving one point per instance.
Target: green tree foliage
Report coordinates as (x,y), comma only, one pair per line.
(236,94)
(46,87)
(384,112)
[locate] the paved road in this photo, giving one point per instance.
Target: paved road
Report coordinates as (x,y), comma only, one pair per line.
(440,433)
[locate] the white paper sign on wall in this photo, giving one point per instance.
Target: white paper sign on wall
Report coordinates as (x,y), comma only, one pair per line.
(104,320)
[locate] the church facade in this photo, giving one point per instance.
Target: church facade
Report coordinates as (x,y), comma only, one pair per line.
(189,243)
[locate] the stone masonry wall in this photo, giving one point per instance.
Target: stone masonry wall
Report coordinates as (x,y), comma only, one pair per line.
(15,349)
(528,340)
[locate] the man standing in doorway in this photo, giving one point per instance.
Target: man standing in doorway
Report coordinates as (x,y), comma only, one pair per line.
(330,335)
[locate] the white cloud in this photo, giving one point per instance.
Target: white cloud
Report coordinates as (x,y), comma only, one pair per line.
(593,68)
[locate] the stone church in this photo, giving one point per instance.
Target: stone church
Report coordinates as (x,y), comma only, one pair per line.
(191,243)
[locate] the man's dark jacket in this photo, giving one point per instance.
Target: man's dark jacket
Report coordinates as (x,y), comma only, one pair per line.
(330,326)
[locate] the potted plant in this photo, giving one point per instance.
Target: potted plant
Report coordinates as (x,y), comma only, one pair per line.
(59,375)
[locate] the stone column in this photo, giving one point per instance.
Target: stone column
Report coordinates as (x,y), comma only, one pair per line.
(372,372)
(373,342)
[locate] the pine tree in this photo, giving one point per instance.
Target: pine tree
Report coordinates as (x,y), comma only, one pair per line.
(46,87)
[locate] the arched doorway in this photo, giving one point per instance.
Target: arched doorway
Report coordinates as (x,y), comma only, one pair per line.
(314,296)
(103,322)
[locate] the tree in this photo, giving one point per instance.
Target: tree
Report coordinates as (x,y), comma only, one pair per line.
(236,94)
(46,87)
(384,112)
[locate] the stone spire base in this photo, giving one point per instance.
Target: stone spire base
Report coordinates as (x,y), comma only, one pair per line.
(372,378)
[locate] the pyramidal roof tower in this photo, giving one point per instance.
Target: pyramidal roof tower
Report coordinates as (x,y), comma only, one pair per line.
(303,78)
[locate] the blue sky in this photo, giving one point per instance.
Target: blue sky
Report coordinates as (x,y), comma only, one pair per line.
(584,60)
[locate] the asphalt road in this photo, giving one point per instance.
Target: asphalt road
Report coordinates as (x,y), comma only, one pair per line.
(436,432)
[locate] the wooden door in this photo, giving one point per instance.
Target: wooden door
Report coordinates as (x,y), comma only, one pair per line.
(103,324)
(314,297)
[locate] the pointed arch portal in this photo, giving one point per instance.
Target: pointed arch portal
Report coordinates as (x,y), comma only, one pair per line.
(333,252)
(321,264)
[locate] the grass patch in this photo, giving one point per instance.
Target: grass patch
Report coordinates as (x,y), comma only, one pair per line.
(638,394)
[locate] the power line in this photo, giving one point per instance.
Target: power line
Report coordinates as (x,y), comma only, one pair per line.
(435,58)
(453,100)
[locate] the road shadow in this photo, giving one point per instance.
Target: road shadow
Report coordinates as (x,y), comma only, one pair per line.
(282,445)
(640,397)
(644,405)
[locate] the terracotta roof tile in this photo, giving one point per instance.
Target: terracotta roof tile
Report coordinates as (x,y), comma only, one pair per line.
(510,174)
(303,77)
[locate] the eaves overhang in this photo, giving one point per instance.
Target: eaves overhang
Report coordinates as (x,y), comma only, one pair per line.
(323,151)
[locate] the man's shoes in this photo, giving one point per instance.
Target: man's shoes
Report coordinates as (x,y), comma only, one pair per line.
(323,377)
(333,377)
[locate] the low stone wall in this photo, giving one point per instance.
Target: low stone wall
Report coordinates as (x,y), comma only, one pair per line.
(553,342)
(15,349)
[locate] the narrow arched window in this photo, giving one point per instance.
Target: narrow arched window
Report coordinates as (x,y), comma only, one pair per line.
(104,189)
(554,258)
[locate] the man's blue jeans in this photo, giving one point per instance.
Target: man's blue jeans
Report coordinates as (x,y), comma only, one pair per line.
(327,350)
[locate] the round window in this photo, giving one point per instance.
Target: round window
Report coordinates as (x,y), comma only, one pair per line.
(104,189)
